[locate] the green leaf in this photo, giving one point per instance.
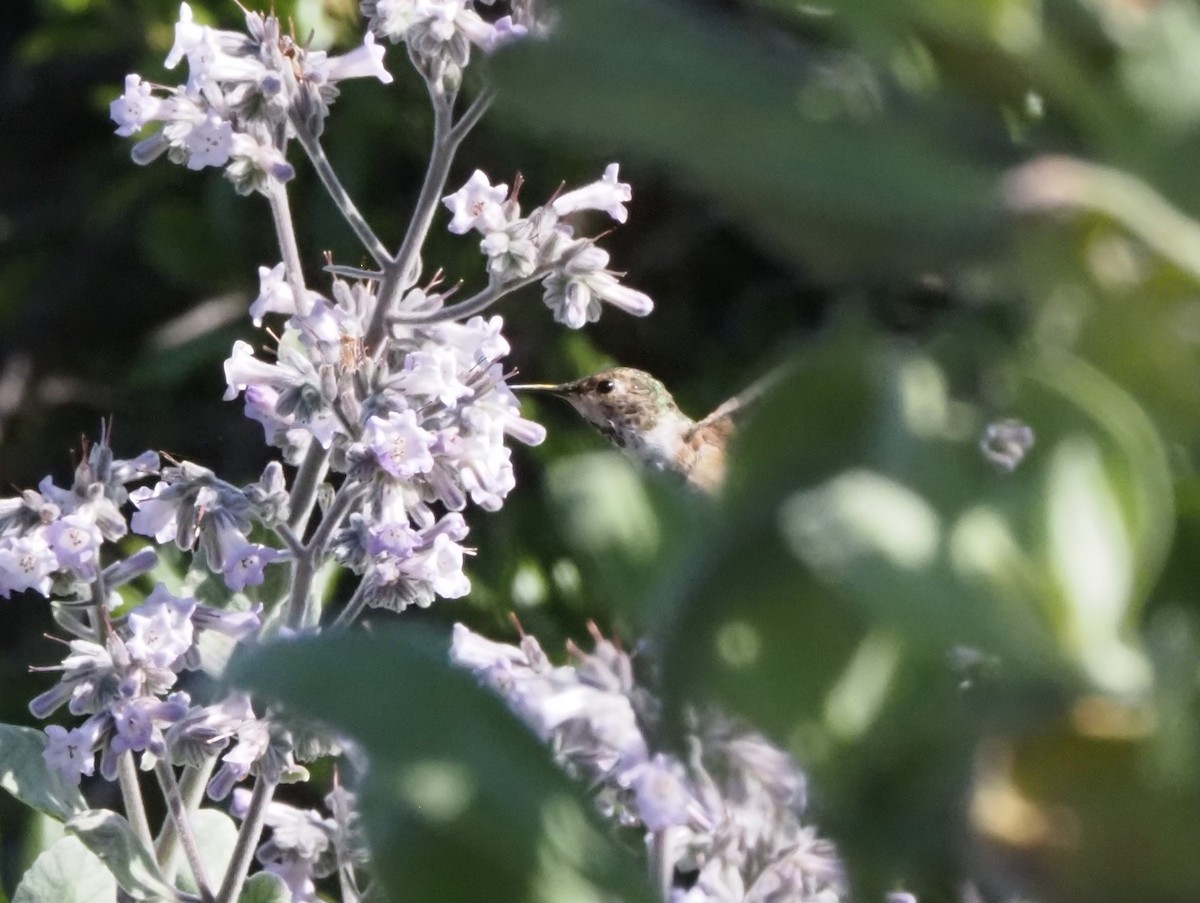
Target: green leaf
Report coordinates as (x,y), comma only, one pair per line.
(24,774)
(66,873)
(216,836)
(877,595)
(265,887)
(112,838)
(804,150)
(454,777)
(1070,799)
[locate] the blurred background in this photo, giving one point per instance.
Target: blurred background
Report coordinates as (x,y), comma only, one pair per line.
(978,209)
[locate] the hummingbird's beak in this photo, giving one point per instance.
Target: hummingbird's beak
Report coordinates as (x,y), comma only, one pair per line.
(559,391)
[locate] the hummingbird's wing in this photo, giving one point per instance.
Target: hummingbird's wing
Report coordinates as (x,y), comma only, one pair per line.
(704,445)
(728,415)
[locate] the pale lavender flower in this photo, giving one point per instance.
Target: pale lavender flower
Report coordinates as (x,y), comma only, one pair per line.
(253,740)
(188,35)
(442,35)
(297,874)
(479,654)
(90,680)
(72,753)
(274,294)
(608,195)
(392,538)
(245,564)
(476,341)
(26,563)
(477,205)
(660,787)
(139,723)
(156,514)
(1006,443)
(575,291)
(415,576)
(512,251)
(399,444)
(160,629)
(253,160)
(433,373)
(392,19)
(293,383)
(136,107)
(441,566)
(188,503)
(236,624)
(206,730)
(733,813)
(208,142)
(365,61)
(263,748)
(485,467)
(504,31)
(75,540)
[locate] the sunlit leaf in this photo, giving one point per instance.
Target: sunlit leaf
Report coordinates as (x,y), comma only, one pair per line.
(67,873)
(112,839)
(216,836)
(265,887)
(24,774)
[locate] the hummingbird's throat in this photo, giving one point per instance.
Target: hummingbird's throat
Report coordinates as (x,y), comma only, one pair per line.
(658,444)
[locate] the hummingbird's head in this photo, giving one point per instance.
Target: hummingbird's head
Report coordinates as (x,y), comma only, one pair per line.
(623,403)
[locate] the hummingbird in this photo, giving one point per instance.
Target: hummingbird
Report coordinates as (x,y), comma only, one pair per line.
(635,412)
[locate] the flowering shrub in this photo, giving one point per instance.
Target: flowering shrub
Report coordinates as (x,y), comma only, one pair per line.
(391,400)
(946,574)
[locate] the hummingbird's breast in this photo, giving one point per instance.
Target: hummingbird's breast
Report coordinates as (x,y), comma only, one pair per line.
(659,445)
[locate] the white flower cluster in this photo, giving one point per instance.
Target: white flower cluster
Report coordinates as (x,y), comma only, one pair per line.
(50,539)
(441,33)
(190,504)
(423,424)
(306,844)
(540,245)
(244,95)
(127,688)
(51,543)
(728,820)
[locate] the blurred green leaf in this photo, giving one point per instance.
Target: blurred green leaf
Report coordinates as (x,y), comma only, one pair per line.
(461,802)
(877,594)
(802,149)
(1062,806)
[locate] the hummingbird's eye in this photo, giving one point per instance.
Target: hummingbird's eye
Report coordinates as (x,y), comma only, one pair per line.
(604,386)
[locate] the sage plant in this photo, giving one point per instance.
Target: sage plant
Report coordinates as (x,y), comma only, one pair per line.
(387,400)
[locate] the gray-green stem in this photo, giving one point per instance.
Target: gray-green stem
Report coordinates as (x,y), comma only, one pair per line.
(305,485)
(166,847)
(243,850)
(355,605)
(339,195)
(402,272)
(285,232)
(469,307)
(178,813)
(127,777)
(661,862)
(131,796)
